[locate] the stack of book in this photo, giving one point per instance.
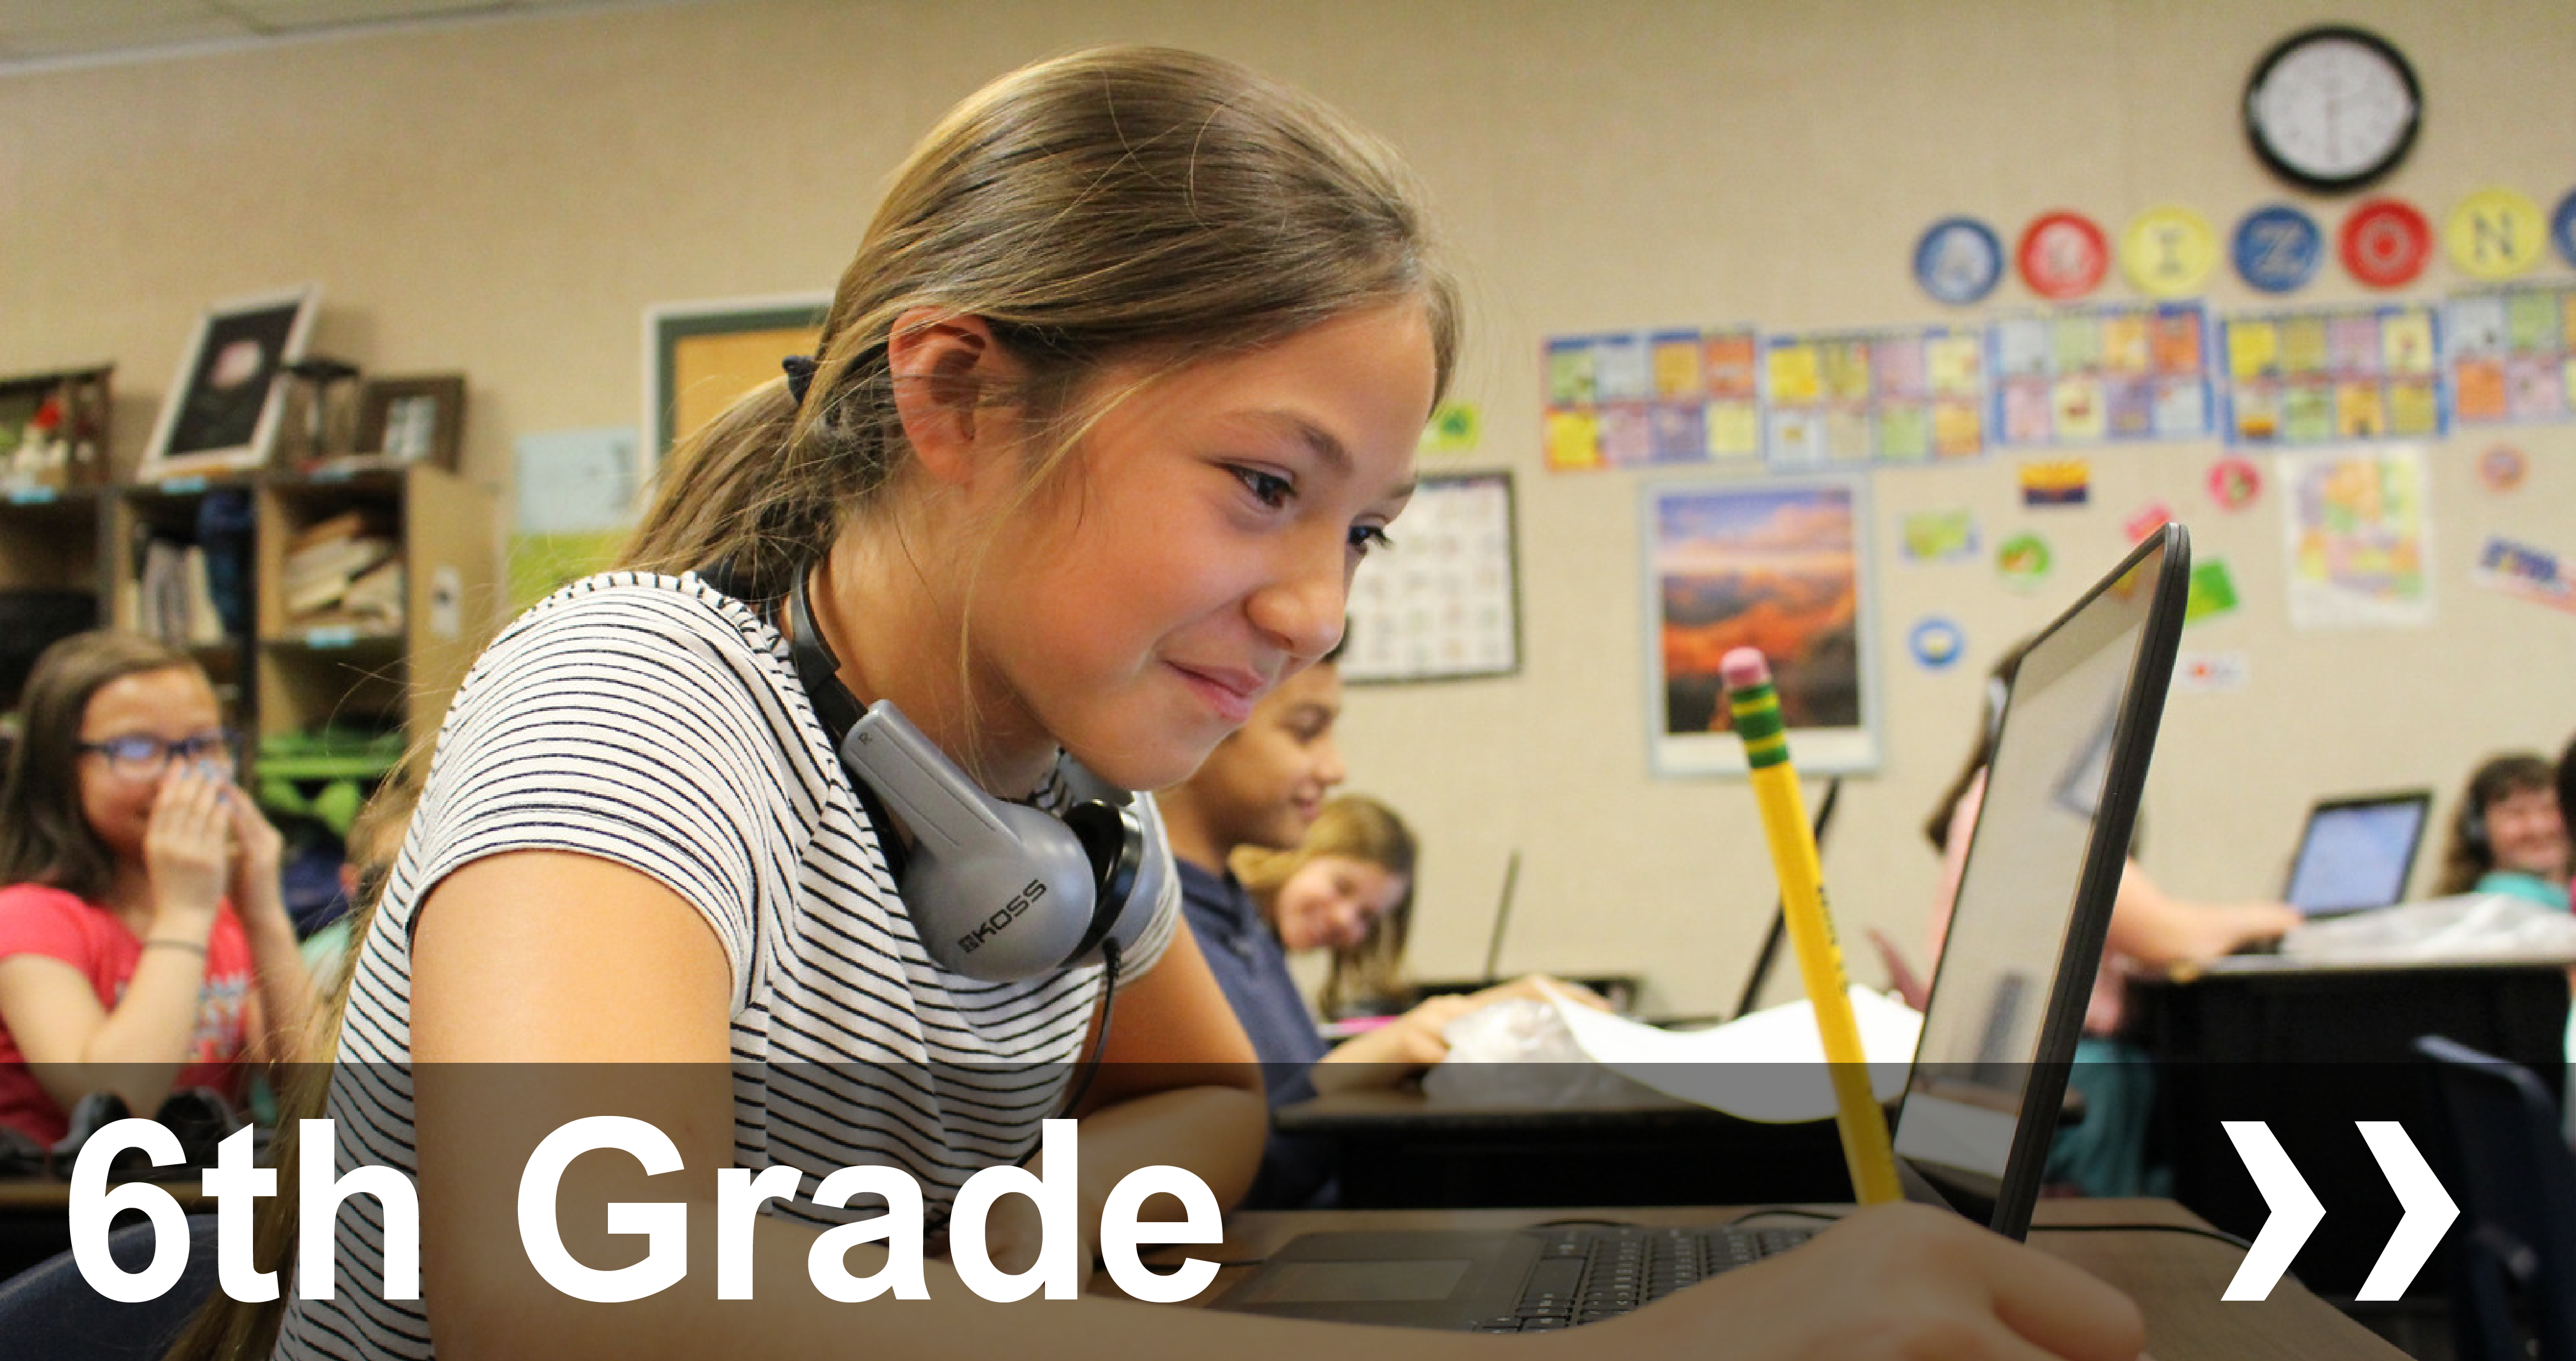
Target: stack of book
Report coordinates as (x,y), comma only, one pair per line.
(343,570)
(176,605)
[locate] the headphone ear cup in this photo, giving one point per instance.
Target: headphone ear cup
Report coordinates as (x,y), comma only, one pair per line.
(1003,910)
(1123,887)
(996,891)
(2472,827)
(1124,816)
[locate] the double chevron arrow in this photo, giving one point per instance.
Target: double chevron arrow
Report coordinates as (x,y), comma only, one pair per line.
(2296,1210)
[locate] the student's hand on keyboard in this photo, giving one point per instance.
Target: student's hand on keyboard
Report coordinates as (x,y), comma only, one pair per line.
(1894,1281)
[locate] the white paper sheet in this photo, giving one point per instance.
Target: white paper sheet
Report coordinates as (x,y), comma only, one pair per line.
(1769,1066)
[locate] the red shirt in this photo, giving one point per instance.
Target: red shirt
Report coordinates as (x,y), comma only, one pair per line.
(38,920)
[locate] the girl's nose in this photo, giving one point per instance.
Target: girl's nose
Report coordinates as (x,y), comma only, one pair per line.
(1302,607)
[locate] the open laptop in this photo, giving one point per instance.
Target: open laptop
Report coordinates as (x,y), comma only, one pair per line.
(2355,853)
(1999,1029)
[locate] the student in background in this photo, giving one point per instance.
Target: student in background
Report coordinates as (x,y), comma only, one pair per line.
(2509,835)
(144,941)
(1263,787)
(1260,794)
(1347,887)
(2149,930)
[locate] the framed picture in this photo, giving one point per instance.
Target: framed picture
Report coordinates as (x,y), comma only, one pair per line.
(413,420)
(1781,565)
(1443,601)
(701,356)
(224,406)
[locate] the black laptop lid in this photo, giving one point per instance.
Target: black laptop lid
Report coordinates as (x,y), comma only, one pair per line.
(2044,863)
(2356,853)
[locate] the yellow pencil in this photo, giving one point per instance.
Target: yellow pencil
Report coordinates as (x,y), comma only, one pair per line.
(1755,706)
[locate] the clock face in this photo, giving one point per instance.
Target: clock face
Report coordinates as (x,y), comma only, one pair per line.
(2332,108)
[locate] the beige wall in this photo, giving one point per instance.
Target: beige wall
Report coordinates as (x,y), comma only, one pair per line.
(508,198)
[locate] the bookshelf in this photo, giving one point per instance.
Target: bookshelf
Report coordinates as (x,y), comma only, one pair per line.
(390,669)
(338,664)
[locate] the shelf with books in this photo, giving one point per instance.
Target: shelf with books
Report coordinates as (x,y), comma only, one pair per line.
(181,572)
(376,588)
(343,645)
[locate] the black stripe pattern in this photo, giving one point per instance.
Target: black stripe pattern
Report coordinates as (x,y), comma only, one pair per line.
(657,723)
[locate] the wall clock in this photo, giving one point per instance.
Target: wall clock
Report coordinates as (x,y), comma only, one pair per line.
(2332,108)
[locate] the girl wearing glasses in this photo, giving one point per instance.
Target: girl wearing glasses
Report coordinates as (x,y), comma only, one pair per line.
(144,946)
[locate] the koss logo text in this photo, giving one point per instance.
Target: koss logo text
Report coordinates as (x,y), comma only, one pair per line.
(1010,912)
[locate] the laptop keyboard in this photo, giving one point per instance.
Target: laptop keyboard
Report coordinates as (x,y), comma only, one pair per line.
(1592,1272)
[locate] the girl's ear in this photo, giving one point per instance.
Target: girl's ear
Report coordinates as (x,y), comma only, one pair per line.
(949,377)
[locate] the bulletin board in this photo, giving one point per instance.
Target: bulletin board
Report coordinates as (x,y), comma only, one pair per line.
(699,357)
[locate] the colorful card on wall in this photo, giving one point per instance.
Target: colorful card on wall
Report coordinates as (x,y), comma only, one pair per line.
(2123,372)
(2330,377)
(2212,673)
(2213,591)
(1659,398)
(2357,535)
(2512,355)
(2056,482)
(1939,535)
(2527,573)
(1861,397)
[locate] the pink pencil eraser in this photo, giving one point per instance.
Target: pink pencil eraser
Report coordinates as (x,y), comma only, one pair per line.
(1744,668)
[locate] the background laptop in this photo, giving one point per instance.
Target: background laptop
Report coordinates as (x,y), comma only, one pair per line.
(1998,1031)
(2356,853)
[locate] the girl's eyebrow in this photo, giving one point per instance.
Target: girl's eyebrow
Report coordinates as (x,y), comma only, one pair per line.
(1324,444)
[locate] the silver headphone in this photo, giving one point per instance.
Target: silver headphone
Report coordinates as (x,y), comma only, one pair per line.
(997,891)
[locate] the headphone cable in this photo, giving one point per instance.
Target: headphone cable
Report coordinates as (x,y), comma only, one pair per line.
(1100,1037)
(1099,1042)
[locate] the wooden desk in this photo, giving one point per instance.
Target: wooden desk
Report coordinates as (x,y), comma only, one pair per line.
(2176,1279)
(1403,1150)
(2309,1050)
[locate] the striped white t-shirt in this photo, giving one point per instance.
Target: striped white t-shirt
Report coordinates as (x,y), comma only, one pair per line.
(658,723)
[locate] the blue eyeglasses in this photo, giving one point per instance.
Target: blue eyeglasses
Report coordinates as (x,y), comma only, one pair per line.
(141,756)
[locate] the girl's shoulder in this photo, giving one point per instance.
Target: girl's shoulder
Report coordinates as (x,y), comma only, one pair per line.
(662,668)
(632,624)
(684,604)
(43,919)
(43,900)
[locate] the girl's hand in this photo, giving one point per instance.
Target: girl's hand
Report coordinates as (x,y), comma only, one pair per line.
(258,850)
(1893,1281)
(1417,1038)
(184,851)
(1395,1051)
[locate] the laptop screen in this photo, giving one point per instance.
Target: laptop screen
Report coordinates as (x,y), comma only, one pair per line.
(2051,811)
(2357,853)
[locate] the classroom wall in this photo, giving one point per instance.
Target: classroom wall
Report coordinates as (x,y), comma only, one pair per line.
(507,198)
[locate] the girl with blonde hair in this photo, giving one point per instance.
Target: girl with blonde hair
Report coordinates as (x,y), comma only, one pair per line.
(1347,888)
